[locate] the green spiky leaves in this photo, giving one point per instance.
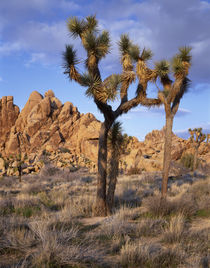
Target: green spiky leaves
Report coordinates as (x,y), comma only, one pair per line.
(134,52)
(92,23)
(70,56)
(146,54)
(124,44)
(181,62)
(177,66)
(101,91)
(97,45)
(112,86)
(76,26)
(162,68)
(126,47)
(69,61)
(115,137)
(93,83)
(184,54)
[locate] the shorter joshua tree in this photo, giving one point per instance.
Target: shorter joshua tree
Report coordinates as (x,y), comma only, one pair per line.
(117,143)
(197,137)
(207,138)
(170,96)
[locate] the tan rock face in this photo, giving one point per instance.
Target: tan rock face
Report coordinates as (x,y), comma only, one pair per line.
(8,116)
(45,124)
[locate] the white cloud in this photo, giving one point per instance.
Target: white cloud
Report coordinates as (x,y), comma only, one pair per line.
(158,111)
(161,25)
(184,133)
(8,48)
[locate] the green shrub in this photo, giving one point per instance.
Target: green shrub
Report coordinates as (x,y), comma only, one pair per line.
(187,161)
(134,171)
(27,211)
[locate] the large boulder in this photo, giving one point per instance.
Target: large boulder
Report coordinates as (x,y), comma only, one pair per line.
(8,116)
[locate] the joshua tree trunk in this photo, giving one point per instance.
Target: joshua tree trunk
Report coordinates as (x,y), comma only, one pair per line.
(195,161)
(100,207)
(112,181)
(167,153)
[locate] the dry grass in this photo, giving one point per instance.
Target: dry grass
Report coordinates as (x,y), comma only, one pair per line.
(148,254)
(174,230)
(41,222)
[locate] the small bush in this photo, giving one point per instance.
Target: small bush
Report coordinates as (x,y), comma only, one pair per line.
(27,211)
(174,230)
(187,161)
(157,206)
(150,227)
(149,255)
(134,171)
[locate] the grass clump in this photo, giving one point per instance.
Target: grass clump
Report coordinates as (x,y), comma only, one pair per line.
(174,230)
(149,255)
(187,161)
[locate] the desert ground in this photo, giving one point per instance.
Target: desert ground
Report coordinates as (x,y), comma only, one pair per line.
(46,220)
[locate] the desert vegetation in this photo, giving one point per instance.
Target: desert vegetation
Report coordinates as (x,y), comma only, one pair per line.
(58,208)
(97,46)
(47,221)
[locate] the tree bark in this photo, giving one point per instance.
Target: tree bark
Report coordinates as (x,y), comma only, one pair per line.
(100,206)
(167,153)
(112,181)
(195,160)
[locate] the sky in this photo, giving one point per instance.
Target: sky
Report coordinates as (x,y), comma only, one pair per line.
(33,35)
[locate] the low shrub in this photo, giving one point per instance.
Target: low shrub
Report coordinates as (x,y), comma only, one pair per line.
(187,161)
(149,255)
(134,171)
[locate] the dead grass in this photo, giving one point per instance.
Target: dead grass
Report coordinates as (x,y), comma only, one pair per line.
(174,229)
(44,222)
(148,254)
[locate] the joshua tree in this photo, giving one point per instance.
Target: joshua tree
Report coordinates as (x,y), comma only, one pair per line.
(170,96)
(197,137)
(117,144)
(97,46)
(207,138)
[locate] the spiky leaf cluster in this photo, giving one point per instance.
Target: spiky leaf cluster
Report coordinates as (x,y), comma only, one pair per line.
(134,52)
(146,54)
(162,68)
(124,44)
(177,66)
(76,26)
(115,137)
(184,54)
(79,27)
(197,137)
(93,83)
(97,45)
(92,23)
(112,86)
(70,58)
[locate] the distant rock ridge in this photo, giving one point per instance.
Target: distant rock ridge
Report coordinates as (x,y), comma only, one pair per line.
(45,124)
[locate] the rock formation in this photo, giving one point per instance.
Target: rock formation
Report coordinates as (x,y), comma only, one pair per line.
(45,126)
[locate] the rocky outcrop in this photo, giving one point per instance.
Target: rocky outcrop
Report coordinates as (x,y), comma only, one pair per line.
(8,116)
(46,123)
(47,127)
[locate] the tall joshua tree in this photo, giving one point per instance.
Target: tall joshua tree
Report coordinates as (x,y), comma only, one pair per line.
(97,46)
(170,96)
(196,138)
(116,143)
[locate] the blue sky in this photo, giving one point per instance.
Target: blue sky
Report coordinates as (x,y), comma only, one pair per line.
(33,35)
